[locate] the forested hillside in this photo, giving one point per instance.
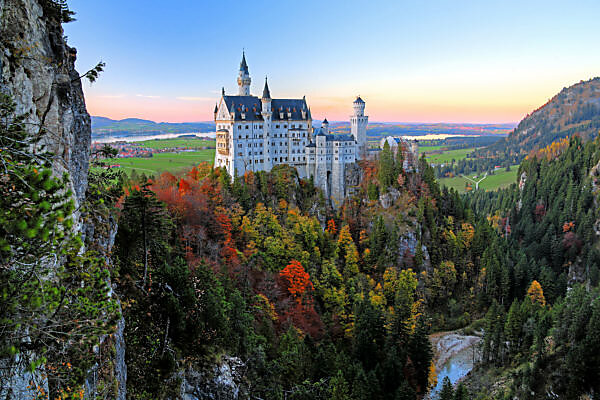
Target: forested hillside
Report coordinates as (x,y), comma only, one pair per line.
(541,334)
(314,303)
(575,109)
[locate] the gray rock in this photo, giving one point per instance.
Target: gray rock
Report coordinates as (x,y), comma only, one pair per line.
(224,382)
(37,68)
(388,199)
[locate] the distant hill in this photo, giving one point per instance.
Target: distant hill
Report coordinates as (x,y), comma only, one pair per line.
(377,130)
(102,127)
(575,110)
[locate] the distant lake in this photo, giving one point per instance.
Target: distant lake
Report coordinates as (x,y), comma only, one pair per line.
(435,136)
(141,138)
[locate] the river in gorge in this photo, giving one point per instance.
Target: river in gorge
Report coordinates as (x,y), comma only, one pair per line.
(454,355)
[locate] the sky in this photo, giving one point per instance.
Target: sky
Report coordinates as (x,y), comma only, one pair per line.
(459,61)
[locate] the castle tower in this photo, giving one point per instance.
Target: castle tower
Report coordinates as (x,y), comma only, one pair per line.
(267,115)
(358,127)
(243,79)
(325,126)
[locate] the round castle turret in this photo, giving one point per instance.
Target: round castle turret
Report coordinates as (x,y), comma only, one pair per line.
(243,79)
(359,107)
(358,127)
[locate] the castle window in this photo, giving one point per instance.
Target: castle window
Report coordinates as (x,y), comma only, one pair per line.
(285,126)
(246,128)
(276,126)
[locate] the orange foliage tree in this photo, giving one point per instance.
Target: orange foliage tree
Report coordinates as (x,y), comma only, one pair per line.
(296,279)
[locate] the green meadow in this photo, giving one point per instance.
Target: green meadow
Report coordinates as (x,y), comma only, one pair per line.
(181,142)
(447,156)
(499,179)
(427,149)
(161,162)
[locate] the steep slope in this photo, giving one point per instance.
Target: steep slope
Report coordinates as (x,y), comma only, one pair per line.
(37,74)
(37,70)
(575,110)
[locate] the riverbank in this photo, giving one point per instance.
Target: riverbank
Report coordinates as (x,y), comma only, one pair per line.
(454,357)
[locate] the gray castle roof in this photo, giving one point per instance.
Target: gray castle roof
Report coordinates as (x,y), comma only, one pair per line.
(359,100)
(252,106)
(243,65)
(266,91)
(340,138)
(334,138)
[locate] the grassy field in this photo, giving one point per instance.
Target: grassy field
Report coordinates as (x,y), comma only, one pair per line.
(427,149)
(498,180)
(448,156)
(161,162)
(169,143)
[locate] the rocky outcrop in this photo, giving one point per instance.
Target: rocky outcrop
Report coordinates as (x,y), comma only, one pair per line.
(37,70)
(388,199)
(225,381)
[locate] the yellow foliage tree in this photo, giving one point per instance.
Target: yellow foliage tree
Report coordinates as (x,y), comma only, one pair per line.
(536,293)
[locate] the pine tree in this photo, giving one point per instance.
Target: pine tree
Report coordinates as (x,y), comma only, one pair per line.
(461,392)
(145,234)
(339,388)
(513,327)
(387,168)
(421,354)
(447,392)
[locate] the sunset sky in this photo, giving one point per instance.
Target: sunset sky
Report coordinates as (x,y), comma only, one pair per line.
(411,60)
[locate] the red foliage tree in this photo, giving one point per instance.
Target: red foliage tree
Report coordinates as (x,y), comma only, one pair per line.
(331,228)
(296,279)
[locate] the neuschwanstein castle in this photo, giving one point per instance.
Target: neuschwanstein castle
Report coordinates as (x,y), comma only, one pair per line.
(258,133)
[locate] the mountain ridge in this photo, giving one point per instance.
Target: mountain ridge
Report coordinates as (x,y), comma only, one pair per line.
(574,110)
(104,126)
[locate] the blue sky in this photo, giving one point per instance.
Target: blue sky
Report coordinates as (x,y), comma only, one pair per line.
(427,61)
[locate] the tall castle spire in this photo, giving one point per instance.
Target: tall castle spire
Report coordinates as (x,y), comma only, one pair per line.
(266,91)
(243,79)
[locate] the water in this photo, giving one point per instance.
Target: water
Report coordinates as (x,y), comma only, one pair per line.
(435,136)
(455,368)
(113,139)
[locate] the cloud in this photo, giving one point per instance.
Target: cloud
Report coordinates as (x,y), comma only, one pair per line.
(188,98)
(112,96)
(147,96)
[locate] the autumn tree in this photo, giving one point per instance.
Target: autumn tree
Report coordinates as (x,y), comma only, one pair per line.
(347,254)
(296,279)
(536,294)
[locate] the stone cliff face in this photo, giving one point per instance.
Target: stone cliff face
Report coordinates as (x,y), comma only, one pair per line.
(37,70)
